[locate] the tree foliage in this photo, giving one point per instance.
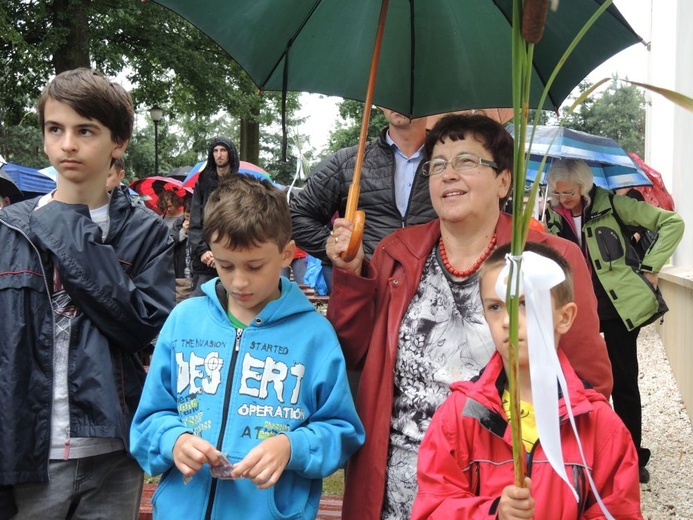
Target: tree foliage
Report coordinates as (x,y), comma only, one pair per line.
(619,113)
(348,130)
(162,58)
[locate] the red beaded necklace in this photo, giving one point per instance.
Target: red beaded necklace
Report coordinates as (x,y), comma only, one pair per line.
(468,272)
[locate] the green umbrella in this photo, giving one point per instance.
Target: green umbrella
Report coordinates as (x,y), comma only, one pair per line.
(429,56)
(437,55)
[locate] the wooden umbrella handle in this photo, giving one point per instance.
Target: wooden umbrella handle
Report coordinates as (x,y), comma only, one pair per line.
(358,221)
(356,236)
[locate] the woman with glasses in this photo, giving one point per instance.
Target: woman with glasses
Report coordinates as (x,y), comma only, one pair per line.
(625,285)
(411,316)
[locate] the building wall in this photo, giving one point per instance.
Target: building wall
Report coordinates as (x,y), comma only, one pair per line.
(669,140)
(662,73)
(682,153)
(675,331)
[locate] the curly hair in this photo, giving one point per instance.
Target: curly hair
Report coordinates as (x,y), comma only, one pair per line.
(169,198)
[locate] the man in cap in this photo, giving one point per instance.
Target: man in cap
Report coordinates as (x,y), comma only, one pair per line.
(222,160)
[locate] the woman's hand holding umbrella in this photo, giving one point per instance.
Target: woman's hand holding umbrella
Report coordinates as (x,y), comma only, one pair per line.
(339,241)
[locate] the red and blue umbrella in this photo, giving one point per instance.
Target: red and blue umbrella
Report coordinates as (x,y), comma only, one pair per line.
(150,188)
(244,167)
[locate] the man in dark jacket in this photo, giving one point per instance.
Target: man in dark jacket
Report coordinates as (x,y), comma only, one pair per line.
(87,283)
(394,194)
(222,160)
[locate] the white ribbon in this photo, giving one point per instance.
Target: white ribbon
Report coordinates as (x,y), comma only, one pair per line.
(538,275)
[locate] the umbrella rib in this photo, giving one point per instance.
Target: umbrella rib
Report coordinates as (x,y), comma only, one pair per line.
(290,43)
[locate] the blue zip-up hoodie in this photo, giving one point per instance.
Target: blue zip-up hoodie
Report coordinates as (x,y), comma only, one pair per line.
(285,374)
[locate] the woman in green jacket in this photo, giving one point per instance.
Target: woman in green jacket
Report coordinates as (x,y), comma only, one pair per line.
(624,283)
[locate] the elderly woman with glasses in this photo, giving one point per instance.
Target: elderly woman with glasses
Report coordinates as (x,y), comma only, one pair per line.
(411,319)
(625,285)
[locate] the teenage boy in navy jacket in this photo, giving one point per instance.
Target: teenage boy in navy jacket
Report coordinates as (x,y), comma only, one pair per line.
(86,283)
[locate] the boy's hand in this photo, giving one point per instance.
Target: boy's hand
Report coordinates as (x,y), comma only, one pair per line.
(265,463)
(516,502)
(191,452)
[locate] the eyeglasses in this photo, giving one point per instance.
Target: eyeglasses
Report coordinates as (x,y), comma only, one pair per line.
(460,163)
(564,194)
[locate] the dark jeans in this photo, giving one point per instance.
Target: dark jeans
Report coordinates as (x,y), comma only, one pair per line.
(622,346)
(102,487)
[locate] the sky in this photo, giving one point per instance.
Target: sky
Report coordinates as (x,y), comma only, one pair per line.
(321,111)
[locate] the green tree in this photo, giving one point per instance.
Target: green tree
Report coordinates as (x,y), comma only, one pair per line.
(546,117)
(167,61)
(348,130)
(619,113)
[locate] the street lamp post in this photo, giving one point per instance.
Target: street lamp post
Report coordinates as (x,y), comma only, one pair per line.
(157,115)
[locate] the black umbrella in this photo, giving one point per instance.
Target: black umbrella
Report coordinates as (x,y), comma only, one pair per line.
(179,173)
(8,188)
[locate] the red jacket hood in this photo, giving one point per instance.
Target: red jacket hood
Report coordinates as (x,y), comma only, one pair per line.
(488,387)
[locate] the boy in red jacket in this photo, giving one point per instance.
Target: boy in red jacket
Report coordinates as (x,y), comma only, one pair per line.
(465,464)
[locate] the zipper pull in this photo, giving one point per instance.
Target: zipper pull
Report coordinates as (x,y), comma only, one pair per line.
(239,332)
(66,450)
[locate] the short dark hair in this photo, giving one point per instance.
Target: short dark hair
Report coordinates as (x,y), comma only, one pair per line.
(563,292)
(94,96)
(118,164)
(495,138)
(245,212)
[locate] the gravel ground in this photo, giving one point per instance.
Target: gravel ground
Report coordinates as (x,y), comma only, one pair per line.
(667,432)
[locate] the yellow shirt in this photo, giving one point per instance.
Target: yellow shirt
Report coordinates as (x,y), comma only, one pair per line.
(527,420)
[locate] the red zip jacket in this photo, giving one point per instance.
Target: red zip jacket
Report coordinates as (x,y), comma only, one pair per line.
(367,311)
(466,458)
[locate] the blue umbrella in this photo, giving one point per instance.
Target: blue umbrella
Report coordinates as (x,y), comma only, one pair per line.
(610,163)
(29,179)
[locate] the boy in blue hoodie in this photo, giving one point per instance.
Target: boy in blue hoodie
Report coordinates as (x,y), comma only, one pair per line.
(247,382)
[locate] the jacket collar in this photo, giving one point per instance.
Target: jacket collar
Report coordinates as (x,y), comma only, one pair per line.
(119,207)
(416,241)
(291,302)
(484,395)
(120,204)
(17,214)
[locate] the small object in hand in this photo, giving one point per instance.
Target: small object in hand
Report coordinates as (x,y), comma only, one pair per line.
(222,470)
(336,239)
